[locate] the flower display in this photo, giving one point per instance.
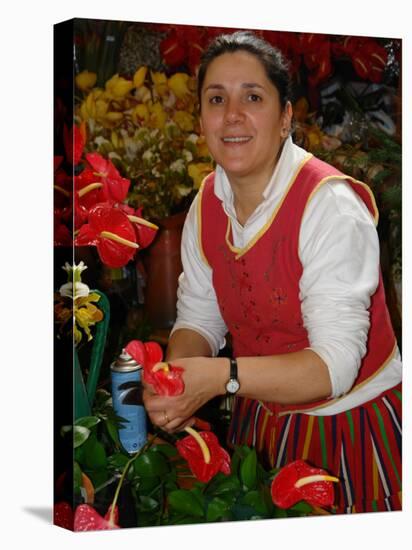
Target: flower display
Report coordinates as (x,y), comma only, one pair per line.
(148,127)
(298,481)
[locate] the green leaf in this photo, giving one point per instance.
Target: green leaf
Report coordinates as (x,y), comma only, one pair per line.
(280,513)
(302,507)
(256,500)
(147,504)
(81,434)
(166,449)
(87,421)
(229,485)
(248,473)
(185,502)
(150,463)
(218,508)
(117,461)
(146,485)
(94,454)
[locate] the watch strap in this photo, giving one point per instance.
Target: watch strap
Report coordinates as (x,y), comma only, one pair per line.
(233,369)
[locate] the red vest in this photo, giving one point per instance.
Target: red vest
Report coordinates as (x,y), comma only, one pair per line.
(257,287)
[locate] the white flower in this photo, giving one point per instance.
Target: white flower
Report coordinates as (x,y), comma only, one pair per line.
(192,138)
(100,140)
(187,155)
(182,190)
(74,275)
(147,155)
(178,166)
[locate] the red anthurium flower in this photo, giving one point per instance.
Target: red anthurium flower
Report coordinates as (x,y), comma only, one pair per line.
(115,188)
(62,235)
(74,142)
(298,481)
(204,454)
(110,230)
(172,49)
(63,515)
(87,519)
(145,231)
(166,379)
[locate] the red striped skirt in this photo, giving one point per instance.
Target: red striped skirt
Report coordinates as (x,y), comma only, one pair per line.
(362,447)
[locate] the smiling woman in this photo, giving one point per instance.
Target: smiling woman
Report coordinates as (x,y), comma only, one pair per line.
(244,124)
(280,250)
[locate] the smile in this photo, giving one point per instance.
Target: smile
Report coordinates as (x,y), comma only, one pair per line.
(237,139)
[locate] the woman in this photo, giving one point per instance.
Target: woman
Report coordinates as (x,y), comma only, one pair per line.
(280,250)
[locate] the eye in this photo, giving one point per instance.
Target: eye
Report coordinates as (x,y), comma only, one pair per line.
(254,98)
(216,99)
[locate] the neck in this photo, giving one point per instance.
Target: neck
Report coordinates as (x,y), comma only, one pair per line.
(248,189)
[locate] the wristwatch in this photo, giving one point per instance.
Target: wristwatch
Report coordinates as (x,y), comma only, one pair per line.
(232,385)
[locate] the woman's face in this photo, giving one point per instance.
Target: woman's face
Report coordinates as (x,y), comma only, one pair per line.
(241,116)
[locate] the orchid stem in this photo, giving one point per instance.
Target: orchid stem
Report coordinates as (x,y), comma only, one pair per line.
(125,470)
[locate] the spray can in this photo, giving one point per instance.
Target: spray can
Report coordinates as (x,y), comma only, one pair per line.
(127,401)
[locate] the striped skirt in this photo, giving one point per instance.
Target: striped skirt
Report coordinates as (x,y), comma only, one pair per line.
(362,447)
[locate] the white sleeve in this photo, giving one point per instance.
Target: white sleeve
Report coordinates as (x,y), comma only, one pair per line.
(197,307)
(339,251)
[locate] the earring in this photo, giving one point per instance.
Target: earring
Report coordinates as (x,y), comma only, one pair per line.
(284,132)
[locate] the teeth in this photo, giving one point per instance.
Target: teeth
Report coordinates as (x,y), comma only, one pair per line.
(236,139)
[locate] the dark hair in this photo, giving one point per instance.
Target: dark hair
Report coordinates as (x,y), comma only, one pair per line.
(275,66)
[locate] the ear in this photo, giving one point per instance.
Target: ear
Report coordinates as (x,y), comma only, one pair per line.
(287,116)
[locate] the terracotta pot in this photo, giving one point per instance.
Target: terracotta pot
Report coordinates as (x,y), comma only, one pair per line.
(163,266)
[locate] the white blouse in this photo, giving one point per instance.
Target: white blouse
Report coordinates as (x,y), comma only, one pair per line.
(339,252)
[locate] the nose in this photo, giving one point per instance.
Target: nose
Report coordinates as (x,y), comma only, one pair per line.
(233,112)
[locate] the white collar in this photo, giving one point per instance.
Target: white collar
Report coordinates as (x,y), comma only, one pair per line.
(290,157)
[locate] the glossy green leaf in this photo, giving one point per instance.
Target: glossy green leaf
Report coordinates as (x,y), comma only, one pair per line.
(248,472)
(81,434)
(186,503)
(150,463)
(218,508)
(166,449)
(302,507)
(87,421)
(77,476)
(225,485)
(147,504)
(256,500)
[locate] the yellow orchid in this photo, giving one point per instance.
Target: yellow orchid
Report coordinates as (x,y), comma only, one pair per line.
(116,140)
(158,116)
(160,82)
(118,86)
(198,171)
(143,94)
(140,114)
(86,314)
(139,77)
(184,120)
(85,80)
(178,84)
(201,146)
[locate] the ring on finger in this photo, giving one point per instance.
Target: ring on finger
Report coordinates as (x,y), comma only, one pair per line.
(167,419)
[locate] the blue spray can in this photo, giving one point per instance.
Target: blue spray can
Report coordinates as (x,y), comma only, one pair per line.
(126,377)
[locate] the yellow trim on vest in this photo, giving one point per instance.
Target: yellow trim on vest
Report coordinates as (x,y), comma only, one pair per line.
(241,251)
(355,388)
(199,222)
(366,187)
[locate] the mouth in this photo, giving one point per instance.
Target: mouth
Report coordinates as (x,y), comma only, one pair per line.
(236,140)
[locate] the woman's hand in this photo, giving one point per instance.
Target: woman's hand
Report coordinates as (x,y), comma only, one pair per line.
(204,378)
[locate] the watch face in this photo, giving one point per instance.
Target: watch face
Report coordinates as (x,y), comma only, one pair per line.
(232,386)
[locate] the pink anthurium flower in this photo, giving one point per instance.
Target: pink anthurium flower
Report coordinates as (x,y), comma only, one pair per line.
(298,481)
(110,230)
(115,188)
(86,518)
(204,454)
